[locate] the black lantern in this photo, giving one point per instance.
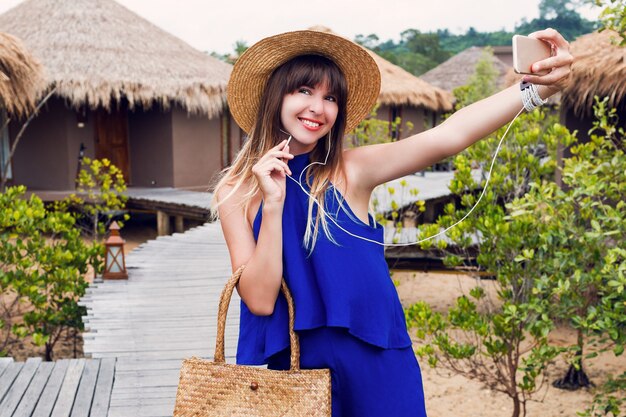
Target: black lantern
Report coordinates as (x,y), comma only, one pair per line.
(114,263)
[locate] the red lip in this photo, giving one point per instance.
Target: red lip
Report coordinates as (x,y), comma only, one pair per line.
(311,120)
(310,128)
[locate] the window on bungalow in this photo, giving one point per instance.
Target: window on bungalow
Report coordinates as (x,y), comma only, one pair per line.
(5,147)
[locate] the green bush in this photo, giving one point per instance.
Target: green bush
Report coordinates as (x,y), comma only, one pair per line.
(43,261)
(99,197)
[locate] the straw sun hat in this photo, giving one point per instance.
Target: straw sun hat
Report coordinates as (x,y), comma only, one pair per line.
(254,67)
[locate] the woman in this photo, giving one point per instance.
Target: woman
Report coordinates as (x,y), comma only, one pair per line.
(295,204)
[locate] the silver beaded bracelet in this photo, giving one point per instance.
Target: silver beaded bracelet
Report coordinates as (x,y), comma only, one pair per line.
(530,96)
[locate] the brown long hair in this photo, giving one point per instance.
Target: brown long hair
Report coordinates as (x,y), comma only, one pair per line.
(311,70)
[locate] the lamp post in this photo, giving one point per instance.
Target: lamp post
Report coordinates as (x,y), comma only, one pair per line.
(114,262)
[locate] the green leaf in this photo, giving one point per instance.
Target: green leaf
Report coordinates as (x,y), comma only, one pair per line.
(40,339)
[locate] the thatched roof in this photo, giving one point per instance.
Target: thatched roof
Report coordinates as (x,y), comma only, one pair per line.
(97,52)
(399,87)
(599,69)
(21,77)
(456,71)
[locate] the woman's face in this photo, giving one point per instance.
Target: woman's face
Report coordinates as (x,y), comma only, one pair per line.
(308,114)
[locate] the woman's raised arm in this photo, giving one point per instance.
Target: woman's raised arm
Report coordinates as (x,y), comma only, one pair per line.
(376,164)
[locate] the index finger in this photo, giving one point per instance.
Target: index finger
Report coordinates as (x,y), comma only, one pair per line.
(550,35)
(280,146)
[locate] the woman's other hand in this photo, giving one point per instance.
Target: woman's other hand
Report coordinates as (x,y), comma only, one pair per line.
(559,63)
(271,173)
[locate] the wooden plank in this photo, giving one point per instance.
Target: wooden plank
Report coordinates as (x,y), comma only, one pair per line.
(104,386)
(4,363)
(134,292)
(160,290)
(136,364)
(175,304)
(143,411)
(142,393)
(35,390)
(102,325)
(180,224)
(8,377)
(163,223)
(164,354)
(150,280)
(208,294)
(19,386)
(119,344)
(129,392)
(51,391)
(86,388)
(104,346)
(166,400)
(164,379)
(67,393)
(172,331)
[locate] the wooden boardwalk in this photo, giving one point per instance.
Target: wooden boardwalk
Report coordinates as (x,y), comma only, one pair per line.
(190,204)
(65,388)
(165,312)
(166,202)
(170,203)
(431,186)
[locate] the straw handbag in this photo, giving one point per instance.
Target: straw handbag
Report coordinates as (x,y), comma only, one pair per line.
(219,389)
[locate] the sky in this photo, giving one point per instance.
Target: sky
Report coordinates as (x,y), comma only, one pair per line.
(215,25)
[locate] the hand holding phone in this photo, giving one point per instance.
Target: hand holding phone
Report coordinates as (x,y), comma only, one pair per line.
(527,51)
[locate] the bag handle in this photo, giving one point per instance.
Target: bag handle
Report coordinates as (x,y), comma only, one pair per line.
(227,293)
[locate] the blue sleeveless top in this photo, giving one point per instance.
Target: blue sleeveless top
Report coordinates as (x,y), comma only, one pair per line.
(344,285)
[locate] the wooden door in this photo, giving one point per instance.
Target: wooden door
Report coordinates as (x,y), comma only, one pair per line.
(112,138)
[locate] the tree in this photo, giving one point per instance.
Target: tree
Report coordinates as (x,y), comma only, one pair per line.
(580,252)
(372,130)
(426,44)
(415,63)
(44,258)
(416,52)
(557,255)
(482,83)
(370,41)
(550,9)
(239,48)
(560,15)
(613,17)
(503,341)
(43,261)
(458,43)
(99,197)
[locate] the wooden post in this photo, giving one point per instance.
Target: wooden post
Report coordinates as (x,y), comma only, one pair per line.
(429,214)
(179,225)
(163,223)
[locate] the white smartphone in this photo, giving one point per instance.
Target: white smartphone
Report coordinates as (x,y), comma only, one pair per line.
(527,51)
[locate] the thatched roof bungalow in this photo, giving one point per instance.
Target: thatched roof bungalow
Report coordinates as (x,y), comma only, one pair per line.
(599,69)
(21,77)
(21,82)
(406,96)
(456,71)
(125,90)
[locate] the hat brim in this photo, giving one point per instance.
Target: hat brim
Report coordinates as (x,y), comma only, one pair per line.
(253,69)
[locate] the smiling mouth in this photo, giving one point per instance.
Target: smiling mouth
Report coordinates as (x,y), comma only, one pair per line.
(312,124)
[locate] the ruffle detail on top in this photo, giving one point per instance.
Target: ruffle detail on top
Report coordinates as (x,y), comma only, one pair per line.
(346,284)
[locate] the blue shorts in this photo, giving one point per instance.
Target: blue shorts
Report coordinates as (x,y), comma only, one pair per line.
(367,381)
